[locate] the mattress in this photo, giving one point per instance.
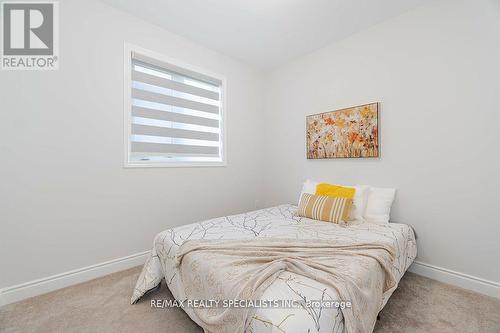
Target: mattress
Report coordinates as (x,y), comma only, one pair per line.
(276,222)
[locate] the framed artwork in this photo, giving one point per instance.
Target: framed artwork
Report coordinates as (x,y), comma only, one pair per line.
(345,133)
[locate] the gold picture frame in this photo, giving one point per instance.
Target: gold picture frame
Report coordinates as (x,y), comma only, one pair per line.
(346,133)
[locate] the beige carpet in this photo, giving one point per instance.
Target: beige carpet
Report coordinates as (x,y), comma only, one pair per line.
(102,305)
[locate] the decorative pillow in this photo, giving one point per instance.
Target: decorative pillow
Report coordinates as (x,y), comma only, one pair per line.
(358,203)
(325,208)
(378,208)
(335,191)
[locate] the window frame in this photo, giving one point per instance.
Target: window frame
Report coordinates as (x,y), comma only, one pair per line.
(129,49)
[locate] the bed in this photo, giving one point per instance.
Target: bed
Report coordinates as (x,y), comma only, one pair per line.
(276,222)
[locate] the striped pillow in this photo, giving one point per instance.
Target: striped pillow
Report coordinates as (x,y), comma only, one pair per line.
(324,208)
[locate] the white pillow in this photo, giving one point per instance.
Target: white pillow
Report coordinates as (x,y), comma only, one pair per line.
(358,203)
(378,207)
(309,186)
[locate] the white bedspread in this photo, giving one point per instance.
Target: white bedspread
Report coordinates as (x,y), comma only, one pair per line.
(276,222)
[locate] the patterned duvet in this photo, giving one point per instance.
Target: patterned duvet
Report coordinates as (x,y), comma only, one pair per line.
(276,222)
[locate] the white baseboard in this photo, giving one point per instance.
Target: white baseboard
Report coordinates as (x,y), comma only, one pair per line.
(458,279)
(41,286)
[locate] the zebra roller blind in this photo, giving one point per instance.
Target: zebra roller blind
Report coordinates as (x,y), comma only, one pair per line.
(176,114)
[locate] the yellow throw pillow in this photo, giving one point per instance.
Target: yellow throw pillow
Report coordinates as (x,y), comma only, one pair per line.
(325,208)
(335,191)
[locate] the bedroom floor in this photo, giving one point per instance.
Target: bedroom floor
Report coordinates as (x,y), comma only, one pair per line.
(102,305)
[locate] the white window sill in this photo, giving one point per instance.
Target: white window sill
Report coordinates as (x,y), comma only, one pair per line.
(128,165)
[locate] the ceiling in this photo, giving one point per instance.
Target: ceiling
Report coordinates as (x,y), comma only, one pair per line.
(265,33)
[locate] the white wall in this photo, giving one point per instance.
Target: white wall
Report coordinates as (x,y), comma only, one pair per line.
(436,72)
(66,201)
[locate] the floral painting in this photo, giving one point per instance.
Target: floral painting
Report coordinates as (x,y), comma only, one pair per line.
(351,132)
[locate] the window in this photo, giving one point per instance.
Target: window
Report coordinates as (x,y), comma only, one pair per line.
(174,113)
